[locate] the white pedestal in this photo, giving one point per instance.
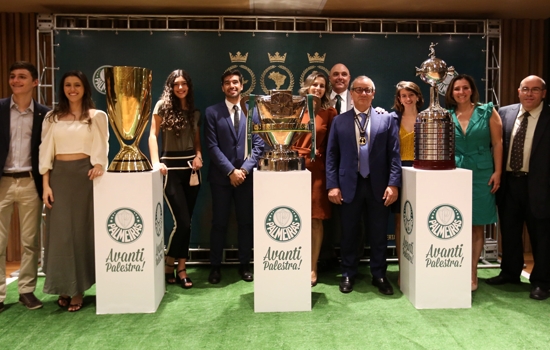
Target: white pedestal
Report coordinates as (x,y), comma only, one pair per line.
(129,242)
(436,238)
(282,241)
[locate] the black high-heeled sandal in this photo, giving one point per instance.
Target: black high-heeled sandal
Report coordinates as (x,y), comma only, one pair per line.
(186,282)
(169,277)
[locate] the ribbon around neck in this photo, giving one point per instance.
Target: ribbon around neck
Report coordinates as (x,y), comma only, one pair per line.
(312,128)
(250,115)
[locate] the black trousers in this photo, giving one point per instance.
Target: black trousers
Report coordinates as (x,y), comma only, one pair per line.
(514,212)
(181,199)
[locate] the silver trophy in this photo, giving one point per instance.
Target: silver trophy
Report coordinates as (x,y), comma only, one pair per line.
(434,141)
(280,115)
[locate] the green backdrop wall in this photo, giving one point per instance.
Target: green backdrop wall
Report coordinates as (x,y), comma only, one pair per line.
(206,55)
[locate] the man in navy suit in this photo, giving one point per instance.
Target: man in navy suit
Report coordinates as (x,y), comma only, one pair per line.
(230,174)
(525,193)
(20,182)
(363,170)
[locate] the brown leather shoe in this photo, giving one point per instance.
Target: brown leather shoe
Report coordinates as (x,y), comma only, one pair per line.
(2,306)
(30,301)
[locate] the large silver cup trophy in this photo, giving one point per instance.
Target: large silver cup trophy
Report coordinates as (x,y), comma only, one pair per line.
(434,141)
(128,91)
(280,125)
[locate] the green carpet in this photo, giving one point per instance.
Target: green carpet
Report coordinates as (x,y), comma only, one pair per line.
(222,317)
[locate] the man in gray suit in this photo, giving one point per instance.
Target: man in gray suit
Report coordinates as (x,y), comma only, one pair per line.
(340,97)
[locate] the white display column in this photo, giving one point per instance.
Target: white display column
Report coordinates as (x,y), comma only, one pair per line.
(282,241)
(129,242)
(436,238)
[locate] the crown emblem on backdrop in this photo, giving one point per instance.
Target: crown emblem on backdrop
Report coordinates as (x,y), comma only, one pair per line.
(276,57)
(316,58)
(238,57)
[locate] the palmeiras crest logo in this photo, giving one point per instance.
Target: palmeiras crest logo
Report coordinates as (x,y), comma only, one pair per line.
(283,224)
(124,225)
(445,221)
(98,79)
(408,217)
(158,220)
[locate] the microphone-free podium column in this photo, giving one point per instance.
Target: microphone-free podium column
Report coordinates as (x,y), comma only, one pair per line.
(282,241)
(436,238)
(129,242)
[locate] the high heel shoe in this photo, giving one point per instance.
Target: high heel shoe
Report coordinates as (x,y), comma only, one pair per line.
(186,282)
(169,276)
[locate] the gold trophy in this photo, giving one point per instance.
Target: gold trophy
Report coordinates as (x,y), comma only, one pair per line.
(280,115)
(434,138)
(128,91)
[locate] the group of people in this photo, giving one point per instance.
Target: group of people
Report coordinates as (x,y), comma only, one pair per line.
(49,157)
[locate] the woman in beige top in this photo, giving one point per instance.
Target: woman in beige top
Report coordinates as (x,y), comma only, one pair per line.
(73,152)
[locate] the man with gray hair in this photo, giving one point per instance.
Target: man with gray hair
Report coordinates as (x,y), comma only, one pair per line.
(363,169)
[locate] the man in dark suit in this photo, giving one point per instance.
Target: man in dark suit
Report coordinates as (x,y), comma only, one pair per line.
(340,97)
(363,170)
(20,182)
(525,193)
(230,174)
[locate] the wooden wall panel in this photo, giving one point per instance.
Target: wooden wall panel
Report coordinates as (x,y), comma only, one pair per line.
(17,43)
(523,44)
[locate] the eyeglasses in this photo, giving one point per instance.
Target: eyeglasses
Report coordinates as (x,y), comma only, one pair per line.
(360,90)
(534,91)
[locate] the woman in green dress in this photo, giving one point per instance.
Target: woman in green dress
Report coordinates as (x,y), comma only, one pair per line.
(478,142)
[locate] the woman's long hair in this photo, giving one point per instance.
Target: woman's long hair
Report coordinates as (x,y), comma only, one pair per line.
(173,116)
(409,86)
(325,102)
(63,107)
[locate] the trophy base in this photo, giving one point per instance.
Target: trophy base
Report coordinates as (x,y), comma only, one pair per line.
(434,164)
(281,160)
(129,160)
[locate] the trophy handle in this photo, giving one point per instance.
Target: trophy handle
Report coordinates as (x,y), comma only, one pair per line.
(244,106)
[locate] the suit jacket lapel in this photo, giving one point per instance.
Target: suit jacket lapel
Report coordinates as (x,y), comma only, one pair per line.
(509,123)
(227,116)
(242,126)
(5,120)
(374,126)
(542,124)
(349,126)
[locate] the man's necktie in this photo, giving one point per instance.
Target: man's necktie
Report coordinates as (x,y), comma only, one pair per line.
(516,157)
(236,119)
(364,152)
(338,103)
